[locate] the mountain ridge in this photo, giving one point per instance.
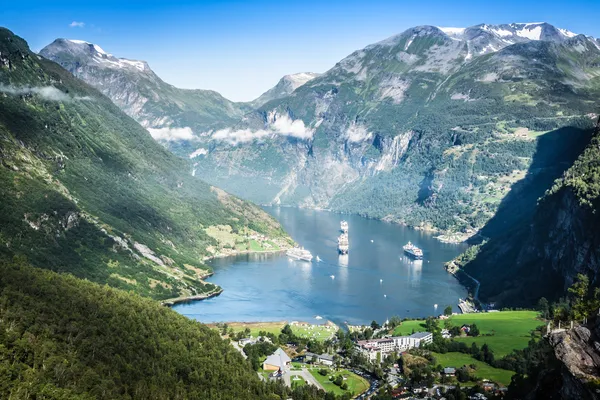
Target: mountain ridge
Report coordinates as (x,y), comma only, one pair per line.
(86,190)
(402,114)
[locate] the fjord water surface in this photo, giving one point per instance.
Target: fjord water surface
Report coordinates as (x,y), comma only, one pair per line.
(375,281)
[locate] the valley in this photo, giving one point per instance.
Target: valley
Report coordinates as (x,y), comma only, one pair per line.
(139,220)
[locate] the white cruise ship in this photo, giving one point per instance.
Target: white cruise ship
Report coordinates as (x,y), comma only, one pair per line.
(299,253)
(344,226)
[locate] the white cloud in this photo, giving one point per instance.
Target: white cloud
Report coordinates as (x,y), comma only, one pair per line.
(46,92)
(358,133)
(172,134)
(277,125)
(76,24)
(199,152)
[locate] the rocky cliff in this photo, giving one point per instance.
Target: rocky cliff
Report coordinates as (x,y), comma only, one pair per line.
(543,256)
(578,350)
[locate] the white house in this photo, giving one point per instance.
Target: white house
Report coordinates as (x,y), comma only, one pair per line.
(386,346)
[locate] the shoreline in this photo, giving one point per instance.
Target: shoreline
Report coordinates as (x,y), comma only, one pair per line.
(239,253)
(188,299)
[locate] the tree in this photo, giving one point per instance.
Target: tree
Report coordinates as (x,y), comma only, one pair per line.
(474,330)
(394,322)
(374,325)
(544,308)
(287,330)
(579,292)
(448,311)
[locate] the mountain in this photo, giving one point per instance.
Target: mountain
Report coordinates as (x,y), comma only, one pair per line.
(284,87)
(429,128)
(66,338)
(86,190)
(542,254)
(169,113)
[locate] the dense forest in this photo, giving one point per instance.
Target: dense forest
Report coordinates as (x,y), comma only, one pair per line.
(66,338)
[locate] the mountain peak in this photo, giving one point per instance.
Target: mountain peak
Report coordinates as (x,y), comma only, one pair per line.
(285,86)
(83,52)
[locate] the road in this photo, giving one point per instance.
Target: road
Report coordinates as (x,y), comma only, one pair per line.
(304,374)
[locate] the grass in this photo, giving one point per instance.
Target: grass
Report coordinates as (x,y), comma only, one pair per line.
(318,332)
(356,384)
(255,327)
(482,371)
(510,330)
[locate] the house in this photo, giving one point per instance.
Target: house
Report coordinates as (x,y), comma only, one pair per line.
(370,348)
(449,371)
(325,359)
(465,328)
(446,334)
(278,361)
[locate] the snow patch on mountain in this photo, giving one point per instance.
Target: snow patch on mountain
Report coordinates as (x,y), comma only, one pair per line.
(452,31)
(532,33)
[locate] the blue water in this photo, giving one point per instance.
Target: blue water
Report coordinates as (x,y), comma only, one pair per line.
(261,287)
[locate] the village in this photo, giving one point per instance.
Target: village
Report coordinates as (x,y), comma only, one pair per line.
(408,359)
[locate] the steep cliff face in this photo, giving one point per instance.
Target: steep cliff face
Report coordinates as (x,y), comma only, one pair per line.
(578,350)
(542,258)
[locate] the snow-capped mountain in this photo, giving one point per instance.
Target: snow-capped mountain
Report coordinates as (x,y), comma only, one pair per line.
(170,114)
(429,127)
(284,87)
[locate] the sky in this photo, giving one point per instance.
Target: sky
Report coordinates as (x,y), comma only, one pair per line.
(242,48)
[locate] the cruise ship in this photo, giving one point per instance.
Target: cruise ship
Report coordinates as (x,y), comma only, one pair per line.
(344,227)
(413,251)
(299,253)
(343,244)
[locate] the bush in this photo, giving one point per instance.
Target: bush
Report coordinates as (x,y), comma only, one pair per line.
(323,371)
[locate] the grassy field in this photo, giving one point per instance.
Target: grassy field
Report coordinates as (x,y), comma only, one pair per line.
(510,329)
(356,384)
(318,332)
(483,370)
(255,327)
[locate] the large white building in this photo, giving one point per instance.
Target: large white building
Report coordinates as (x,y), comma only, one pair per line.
(398,344)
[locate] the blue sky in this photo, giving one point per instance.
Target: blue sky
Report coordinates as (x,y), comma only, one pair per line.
(242,48)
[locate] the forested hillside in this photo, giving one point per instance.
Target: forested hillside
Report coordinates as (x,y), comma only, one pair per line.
(85,189)
(542,254)
(65,338)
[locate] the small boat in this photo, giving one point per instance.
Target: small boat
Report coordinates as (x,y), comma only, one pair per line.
(381,281)
(385,295)
(318,317)
(332,276)
(371,240)
(299,253)
(318,259)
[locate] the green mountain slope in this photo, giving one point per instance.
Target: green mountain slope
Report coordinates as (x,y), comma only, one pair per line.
(426,128)
(64,338)
(87,190)
(541,254)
